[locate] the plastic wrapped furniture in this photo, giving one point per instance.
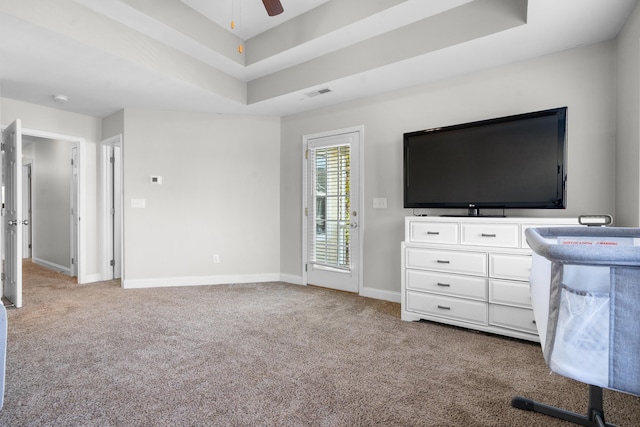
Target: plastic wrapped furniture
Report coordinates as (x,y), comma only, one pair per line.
(585,291)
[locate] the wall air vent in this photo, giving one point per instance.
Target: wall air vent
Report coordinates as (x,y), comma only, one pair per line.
(318,92)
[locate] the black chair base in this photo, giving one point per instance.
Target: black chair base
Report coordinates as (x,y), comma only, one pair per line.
(594,417)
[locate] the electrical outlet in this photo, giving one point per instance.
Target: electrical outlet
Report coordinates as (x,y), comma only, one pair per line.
(216,259)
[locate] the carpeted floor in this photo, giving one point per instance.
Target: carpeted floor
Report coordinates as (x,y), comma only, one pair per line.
(269,354)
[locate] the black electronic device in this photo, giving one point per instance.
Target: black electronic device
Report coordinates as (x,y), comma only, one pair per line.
(517,161)
(595,220)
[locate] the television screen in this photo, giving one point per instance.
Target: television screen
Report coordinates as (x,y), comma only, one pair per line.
(508,162)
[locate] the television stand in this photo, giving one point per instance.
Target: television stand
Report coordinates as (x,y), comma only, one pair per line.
(474,212)
(471,272)
(472,216)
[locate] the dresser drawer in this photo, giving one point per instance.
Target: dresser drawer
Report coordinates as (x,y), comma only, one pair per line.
(452,308)
(516,318)
(433,232)
(511,293)
(447,284)
(508,266)
(523,237)
(501,235)
(474,263)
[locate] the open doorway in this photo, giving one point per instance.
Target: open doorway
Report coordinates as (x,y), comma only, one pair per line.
(50,202)
(12,193)
(112,231)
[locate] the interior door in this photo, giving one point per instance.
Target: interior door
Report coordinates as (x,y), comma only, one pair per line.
(333,210)
(116,208)
(112,202)
(73,250)
(13,221)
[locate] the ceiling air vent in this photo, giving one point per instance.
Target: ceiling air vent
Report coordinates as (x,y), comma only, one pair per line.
(318,92)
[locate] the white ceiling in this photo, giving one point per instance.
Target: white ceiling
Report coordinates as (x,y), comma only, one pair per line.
(106,55)
(249,16)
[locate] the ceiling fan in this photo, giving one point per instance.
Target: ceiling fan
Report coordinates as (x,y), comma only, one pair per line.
(274,7)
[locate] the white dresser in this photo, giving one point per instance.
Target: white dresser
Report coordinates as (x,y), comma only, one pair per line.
(471,272)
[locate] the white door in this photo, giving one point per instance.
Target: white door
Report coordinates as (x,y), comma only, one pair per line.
(112,202)
(13,221)
(332,211)
(73,262)
(116,211)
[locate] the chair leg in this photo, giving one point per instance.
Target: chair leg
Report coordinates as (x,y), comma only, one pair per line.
(594,417)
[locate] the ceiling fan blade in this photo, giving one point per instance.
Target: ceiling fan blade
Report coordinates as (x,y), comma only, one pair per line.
(274,7)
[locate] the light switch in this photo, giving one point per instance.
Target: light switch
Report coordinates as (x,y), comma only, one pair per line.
(138,203)
(379,203)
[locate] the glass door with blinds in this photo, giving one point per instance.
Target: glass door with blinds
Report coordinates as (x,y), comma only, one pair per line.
(331,212)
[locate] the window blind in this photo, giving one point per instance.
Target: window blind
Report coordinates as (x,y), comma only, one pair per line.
(328,214)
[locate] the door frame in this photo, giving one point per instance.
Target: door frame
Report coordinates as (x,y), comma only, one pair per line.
(27,164)
(359,203)
(106,229)
(80,238)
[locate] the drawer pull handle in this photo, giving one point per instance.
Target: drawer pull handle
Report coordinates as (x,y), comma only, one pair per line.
(433,233)
(488,235)
(444,285)
(442,307)
(442,261)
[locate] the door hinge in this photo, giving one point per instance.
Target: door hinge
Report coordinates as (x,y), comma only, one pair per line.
(306,211)
(73,261)
(112,263)
(2,146)
(72,161)
(112,159)
(306,155)
(2,277)
(306,267)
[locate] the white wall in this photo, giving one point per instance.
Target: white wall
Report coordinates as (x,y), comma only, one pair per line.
(628,111)
(44,119)
(113,125)
(220,194)
(582,79)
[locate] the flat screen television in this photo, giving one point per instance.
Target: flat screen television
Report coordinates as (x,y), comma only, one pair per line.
(508,162)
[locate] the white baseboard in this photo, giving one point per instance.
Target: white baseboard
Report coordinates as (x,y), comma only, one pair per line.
(380,294)
(198,281)
(250,278)
(52,266)
(290,278)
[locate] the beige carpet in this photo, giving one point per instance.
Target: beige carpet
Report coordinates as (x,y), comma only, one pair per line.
(268,354)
